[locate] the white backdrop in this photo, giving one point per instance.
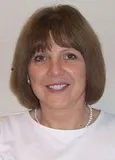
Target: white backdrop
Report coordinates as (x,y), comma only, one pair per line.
(13,14)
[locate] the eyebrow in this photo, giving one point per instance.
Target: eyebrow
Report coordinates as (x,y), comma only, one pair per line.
(69,49)
(62,51)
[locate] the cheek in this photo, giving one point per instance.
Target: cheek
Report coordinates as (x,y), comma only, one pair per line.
(81,73)
(79,80)
(34,73)
(78,72)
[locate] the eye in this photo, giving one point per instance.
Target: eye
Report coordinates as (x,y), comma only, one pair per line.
(40,58)
(70,56)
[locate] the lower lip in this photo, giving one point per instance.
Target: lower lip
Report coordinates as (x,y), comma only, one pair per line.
(60,90)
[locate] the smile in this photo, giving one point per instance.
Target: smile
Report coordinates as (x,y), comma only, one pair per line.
(57,87)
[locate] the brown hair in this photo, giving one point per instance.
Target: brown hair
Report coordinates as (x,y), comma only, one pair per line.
(68,29)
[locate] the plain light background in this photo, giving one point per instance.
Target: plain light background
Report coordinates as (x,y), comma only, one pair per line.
(14,13)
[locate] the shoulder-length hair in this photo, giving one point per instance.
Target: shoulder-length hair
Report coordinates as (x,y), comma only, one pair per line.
(68,28)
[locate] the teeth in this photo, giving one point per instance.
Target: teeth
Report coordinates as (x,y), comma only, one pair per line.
(58,87)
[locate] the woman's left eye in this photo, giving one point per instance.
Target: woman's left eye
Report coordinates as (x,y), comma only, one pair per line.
(70,56)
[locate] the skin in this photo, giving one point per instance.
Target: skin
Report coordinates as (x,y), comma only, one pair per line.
(65,108)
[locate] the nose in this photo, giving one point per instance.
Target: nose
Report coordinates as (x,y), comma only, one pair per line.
(55,68)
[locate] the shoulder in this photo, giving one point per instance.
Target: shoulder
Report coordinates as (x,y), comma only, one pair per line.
(109,118)
(106,122)
(104,132)
(10,123)
(12,117)
(7,135)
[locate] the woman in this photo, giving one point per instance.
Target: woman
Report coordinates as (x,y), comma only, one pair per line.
(58,73)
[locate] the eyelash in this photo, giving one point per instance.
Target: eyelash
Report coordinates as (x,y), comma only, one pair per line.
(67,56)
(37,58)
(70,56)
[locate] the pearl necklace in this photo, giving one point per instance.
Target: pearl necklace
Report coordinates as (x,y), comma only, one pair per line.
(88,123)
(90,117)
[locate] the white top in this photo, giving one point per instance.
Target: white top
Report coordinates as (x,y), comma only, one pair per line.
(22,138)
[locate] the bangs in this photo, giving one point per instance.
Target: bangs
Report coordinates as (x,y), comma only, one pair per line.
(57,28)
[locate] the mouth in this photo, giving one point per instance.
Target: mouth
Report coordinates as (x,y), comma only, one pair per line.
(58,87)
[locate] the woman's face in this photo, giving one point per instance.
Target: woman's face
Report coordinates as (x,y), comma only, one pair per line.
(58,77)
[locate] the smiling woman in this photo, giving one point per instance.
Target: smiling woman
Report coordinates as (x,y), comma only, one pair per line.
(58,72)
(58,77)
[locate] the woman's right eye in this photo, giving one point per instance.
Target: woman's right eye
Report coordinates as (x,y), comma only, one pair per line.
(40,58)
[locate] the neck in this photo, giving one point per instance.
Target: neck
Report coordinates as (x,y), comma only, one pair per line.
(66,118)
